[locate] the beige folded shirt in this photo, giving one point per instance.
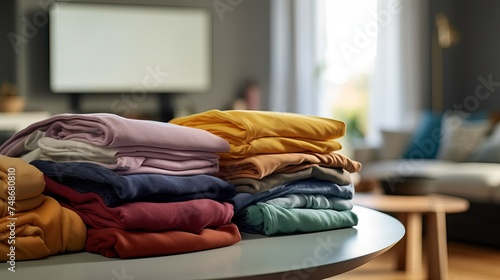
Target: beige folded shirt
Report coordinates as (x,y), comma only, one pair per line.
(250,185)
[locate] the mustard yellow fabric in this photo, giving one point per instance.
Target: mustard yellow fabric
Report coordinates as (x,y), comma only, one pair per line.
(28,183)
(259,166)
(263,132)
(47,230)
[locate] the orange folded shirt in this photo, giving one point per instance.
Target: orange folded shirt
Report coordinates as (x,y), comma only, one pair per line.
(25,180)
(259,166)
(47,230)
(113,242)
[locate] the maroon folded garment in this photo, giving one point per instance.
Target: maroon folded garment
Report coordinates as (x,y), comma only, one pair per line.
(113,242)
(189,215)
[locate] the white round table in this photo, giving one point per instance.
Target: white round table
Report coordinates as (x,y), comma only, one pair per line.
(298,256)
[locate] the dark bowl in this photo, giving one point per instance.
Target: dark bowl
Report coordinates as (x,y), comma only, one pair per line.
(408,186)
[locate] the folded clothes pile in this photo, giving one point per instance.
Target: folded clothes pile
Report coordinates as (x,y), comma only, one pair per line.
(126,145)
(142,188)
(136,188)
(287,172)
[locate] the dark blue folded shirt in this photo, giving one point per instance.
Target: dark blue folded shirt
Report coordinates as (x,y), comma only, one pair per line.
(306,186)
(119,189)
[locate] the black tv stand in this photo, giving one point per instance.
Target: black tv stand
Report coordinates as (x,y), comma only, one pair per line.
(167,111)
(165,100)
(75,103)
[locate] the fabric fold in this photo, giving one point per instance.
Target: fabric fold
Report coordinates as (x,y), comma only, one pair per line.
(43,231)
(272,219)
(262,132)
(311,201)
(306,186)
(119,189)
(260,166)
(250,185)
(112,242)
(113,131)
(191,215)
(26,185)
(132,160)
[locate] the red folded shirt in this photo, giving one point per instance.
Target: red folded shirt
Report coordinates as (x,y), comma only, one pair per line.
(189,215)
(113,242)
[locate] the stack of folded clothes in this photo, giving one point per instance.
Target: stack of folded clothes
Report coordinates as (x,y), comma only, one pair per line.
(127,146)
(142,187)
(32,225)
(287,173)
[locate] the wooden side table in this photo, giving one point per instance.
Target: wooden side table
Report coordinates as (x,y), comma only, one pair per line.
(410,210)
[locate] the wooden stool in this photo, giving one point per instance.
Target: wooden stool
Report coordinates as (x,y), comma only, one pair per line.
(409,210)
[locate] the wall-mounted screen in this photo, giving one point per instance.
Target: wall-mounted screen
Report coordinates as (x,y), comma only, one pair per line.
(116,48)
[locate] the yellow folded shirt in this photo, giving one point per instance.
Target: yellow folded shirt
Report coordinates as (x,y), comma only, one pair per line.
(26,182)
(262,132)
(47,230)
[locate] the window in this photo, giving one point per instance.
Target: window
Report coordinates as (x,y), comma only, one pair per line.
(361,61)
(375,71)
(350,55)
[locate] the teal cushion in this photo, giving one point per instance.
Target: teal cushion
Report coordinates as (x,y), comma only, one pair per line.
(424,144)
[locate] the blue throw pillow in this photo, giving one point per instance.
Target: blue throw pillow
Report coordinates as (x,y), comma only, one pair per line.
(424,144)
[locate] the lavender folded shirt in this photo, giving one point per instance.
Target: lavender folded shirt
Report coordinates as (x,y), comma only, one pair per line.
(119,189)
(109,130)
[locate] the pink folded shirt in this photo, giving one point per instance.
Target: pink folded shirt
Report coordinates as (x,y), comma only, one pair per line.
(109,130)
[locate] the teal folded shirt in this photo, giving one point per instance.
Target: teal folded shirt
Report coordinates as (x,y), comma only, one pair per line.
(272,219)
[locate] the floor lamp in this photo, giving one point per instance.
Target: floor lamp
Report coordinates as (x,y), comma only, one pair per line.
(444,37)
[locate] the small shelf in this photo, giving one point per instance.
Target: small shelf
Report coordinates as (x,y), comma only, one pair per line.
(17,121)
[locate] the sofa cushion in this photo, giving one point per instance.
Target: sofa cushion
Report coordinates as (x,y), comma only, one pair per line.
(425,168)
(489,149)
(477,181)
(428,141)
(460,137)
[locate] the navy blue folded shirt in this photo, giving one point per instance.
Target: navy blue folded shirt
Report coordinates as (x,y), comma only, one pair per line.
(119,189)
(306,186)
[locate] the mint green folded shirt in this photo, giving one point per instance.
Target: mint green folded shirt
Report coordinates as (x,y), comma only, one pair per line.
(271,219)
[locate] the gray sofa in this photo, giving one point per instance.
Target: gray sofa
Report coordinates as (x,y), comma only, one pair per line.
(467,176)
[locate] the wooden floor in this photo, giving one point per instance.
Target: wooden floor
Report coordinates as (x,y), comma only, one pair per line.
(466,262)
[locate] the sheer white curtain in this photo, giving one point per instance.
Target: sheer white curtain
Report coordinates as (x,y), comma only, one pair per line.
(297,57)
(294,56)
(401,78)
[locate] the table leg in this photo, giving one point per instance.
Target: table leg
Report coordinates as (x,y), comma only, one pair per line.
(409,249)
(437,249)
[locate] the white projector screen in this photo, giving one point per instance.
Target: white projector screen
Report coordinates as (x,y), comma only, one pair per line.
(105,48)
